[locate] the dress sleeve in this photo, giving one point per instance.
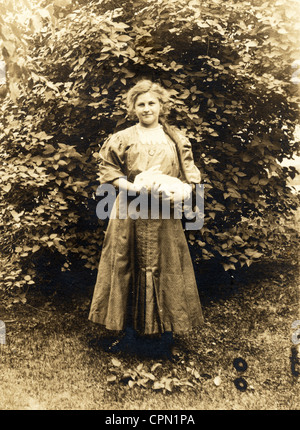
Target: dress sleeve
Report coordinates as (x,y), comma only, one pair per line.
(112,159)
(190,171)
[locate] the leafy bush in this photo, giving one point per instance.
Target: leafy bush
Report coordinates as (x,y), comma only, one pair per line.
(142,377)
(228,67)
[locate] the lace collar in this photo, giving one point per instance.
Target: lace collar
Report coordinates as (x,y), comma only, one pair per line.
(151,136)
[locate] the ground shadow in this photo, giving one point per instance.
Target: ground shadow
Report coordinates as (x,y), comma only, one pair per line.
(214,283)
(150,347)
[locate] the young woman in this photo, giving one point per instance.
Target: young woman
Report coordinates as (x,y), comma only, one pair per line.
(145,281)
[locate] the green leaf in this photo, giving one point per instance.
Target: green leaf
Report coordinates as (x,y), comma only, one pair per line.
(158,385)
(124,38)
(6,188)
(155,366)
(116,362)
(246,157)
(111,378)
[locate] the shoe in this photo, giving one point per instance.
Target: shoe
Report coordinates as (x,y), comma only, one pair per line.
(175,352)
(167,338)
(126,343)
(115,347)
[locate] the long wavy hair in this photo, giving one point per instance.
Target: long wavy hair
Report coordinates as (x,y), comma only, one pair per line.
(142,87)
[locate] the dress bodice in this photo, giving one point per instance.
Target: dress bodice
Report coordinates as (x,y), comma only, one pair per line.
(130,152)
(151,149)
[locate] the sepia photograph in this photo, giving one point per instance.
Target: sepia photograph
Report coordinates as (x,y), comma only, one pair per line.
(149,203)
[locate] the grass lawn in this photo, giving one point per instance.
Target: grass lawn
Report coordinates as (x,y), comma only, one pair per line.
(55,359)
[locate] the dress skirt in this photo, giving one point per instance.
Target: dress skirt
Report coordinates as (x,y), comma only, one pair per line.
(146,278)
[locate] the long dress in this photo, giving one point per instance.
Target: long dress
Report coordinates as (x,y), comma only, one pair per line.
(145,277)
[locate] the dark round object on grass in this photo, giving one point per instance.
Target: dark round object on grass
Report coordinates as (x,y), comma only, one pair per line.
(240,384)
(240,364)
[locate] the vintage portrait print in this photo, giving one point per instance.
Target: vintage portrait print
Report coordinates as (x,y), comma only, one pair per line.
(149,201)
